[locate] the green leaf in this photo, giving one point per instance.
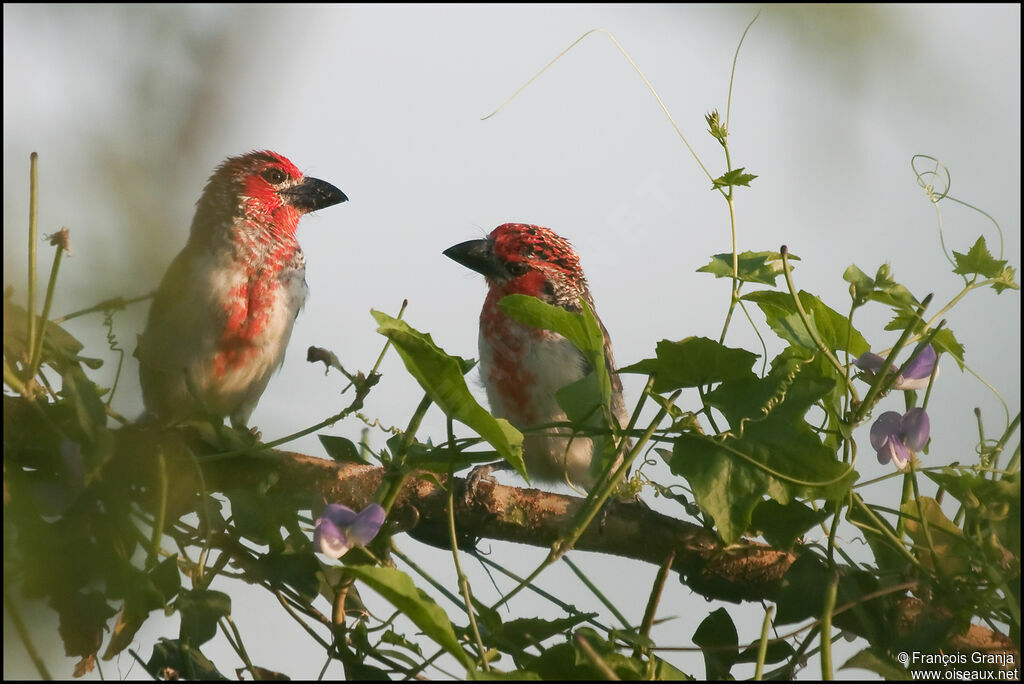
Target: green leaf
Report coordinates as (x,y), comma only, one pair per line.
(567,661)
(187,662)
(200,610)
(582,329)
(519,634)
(752,267)
(441,376)
(717,637)
(83,617)
(1005,281)
(58,344)
(833,328)
(144,593)
(399,590)
(580,399)
(736,177)
(770,450)
(297,570)
(342,449)
(498,675)
(715,126)
(948,545)
(978,260)
(945,341)
(782,525)
(877,660)
(89,410)
(881,289)
(692,362)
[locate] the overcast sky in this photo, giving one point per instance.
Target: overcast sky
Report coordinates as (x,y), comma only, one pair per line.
(131,108)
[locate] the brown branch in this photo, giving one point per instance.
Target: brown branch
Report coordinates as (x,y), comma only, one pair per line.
(744,571)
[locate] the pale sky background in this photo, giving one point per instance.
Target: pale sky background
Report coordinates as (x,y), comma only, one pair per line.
(132,107)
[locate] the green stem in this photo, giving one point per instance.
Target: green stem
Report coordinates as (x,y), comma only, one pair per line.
(161,513)
(924,523)
(597,592)
(591,506)
(881,528)
(393,481)
(595,658)
(33,214)
(37,350)
(115,304)
(463,582)
(826,629)
(884,378)
(654,598)
(997,450)
(762,647)
(807,323)
(567,608)
(19,627)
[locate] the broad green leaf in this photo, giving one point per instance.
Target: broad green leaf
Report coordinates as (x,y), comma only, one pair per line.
(692,362)
(297,570)
(782,525)
(736,177)
(833,328)
(186,660)
(441,376)
(994,504)
(399,590)
(769,451)
(863,285)
(752,267)
(717,636)
(978,260)
(144,593)
(877,660)
(83,618)
(341,449)
(582,329)
(58,344)
(496,675)
(1005,281)
(525,632)
(947,541)
(200,610)
(881,289)
(82,394)
(580,399)
(567,661)
(945,341)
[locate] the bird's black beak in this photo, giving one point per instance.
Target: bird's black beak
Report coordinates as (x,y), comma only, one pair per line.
(477,255)
(313,194)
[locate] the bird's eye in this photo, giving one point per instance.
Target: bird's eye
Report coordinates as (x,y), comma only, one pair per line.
(274,176)
(516,268)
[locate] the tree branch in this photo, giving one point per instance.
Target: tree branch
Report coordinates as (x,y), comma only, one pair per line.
(744,571)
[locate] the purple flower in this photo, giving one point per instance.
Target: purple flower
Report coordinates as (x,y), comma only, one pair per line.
(915,376)
(339,528)
(894,436)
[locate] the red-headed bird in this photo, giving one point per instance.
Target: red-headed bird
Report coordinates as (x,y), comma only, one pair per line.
(222,316)
(523,367)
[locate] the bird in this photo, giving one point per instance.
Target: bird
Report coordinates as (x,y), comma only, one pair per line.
(221,318)
(523,367)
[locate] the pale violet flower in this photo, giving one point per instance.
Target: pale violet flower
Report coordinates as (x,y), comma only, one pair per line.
(339,528)
(894,436)
(915,376)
